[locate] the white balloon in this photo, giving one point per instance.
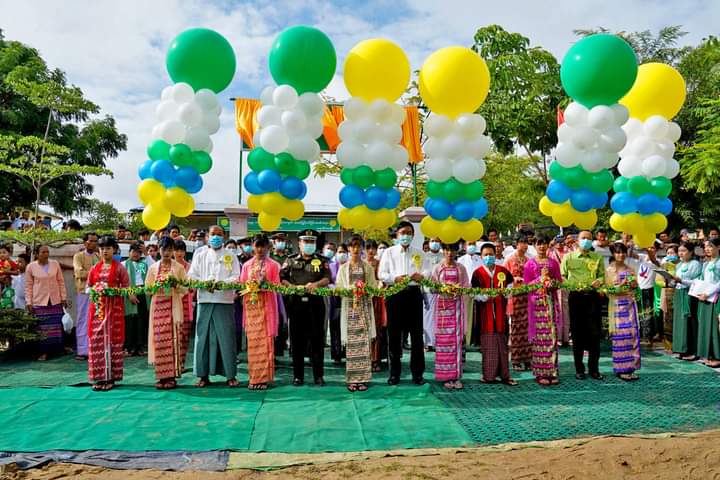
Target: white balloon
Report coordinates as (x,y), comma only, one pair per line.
(584,137)
(480,123)
(166,93)
(630,167)
(274,139)
(437,126)
(190,114)
(269,115)
(182,93)
(399,158)
(197,138)
(601,117)
(672,168)
(211,123)
(364,129)
(356,108)
(172,132)
(479,146)
(564,133)
(633,129)
(285,97)
(653,166)
(438,170)
(612,140)
(313,128)
(483,168)
(206,99)
(641,147)
(311,104)
(350,154)
(466,170)
(665,149)
(166,110)
(576,115)
(432,147)
(452,146)
(346,131)
(673,132)
(466,125)
(218,110)
(593,161)
(293,120)
(266,96)
(156,131)
(380,110)
(622,114)
(397,114)
(303,147)
(378,155)
(656,127)
(209,146)
(390,133)
(567,155)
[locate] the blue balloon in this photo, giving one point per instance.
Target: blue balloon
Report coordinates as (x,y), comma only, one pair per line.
(623,202)
(164,172)
(648,203)
(186,177)
(375,198)
(558,192)
(481,208)
(600,200)
(440,209)
(303,192)
(393,198)
(665,206)
(582,200)
(351,196)
(291,187)
(269,180)
(145,170)
(251,184)
(196,187)
(463,210)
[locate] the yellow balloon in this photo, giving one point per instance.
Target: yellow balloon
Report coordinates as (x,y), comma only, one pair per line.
(342,218)
(454,80)
(659,89)
(362,217)
(655,223)
(450,231)
(644,239)
(430,227)
(617,222)
(255,203)
(150,191)
(295,210)
(546,206)
(273,203)
(188,209)
(155,216)
(564,215)
(471,230)
(376,68)
(268,222)
(634,223)
(178,202)
(586,220)
(386,218)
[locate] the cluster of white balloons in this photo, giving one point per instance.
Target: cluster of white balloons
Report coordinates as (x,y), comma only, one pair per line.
(186,116)
(290,122)
(650,148)
(371,135)
(456,148)
(591,137)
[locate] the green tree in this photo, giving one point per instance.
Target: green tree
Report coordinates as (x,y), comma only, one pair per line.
(661,47)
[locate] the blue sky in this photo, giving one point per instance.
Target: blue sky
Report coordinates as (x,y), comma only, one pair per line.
(115,52)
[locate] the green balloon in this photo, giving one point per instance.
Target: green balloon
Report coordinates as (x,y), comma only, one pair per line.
(621,184)
(259,160)
(181,155)
(661,186)
(639,185)
(284,163)
(385,178)
(599,70)
(453,190)
(159,150)
(601,182)
(304,58)
(557,171)
(576,177)
(434,189)
(302,169)
(346,175)
(474,190)
(363,176)
(202,162)
(203,58)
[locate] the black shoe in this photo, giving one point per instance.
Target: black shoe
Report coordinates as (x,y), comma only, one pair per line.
(419,381)
(393,381)
(597,376)
(580,376)
(320,382)
(298,382)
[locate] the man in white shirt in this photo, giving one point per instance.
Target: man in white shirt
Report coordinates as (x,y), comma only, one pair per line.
(215,346)
(405,309)
(601,245)
(434,256)
(471,261)
(644,267)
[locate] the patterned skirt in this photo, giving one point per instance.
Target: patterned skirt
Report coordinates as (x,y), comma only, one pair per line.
(50,325)
(105,355)
(379,343)
(260,345)
(167,337)
(449,320)
(520,351)
(357,349)
(625,335)
(544,345)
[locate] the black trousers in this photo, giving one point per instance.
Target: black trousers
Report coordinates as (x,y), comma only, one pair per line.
(585,329)
(136,327)
(307,322)
(692,328)
(405,313)
(282,336)
(336,347)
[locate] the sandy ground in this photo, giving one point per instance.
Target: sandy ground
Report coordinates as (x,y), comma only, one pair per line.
(677,458)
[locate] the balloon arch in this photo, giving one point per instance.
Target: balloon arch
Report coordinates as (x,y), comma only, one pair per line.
(619,116)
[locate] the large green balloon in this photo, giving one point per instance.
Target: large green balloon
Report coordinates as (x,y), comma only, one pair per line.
(598,70)
(346,176)
(363,176)
(601,182)
(453,190)
(181,155)
(639,185)
(621,184)
(285,163)
(202,162)
(259,160)
(434,189)
(304,58)
(576,177)
(474,190)
(159,150)
(302,169)
(661,186)
(385,178)
(203,58)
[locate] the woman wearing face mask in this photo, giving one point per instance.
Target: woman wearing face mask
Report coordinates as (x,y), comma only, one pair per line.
(378,345)
(685,322)
(665,293)
(623,321)
(708,345)
(337,351)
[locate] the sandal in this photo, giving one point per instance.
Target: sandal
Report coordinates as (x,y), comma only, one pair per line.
(98,387)
(160,385)
(449,385)
(232,383)
(170,385)
(109,386)
(352,387)
(362,387)
(554,381)
(509,381)
(459,385)
(518,368)
(544,382)
(202,383)
(482,380)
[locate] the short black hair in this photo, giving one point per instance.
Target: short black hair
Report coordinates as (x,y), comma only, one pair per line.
(356,240)
(492,230)
(107,241)
(542,239)
(383,243)
(451,246)
(714,241)
(521,239)
(260,240)
(404,224)
(25,257)
(166,243)
(618,247)
(5,246)
(489,246)
(343,246)
(87,235)
(371,244)
(228,242)
(601,230)
(121,227)
(73,224)
(136,247)
(144,231)
(180,245)
(173,227)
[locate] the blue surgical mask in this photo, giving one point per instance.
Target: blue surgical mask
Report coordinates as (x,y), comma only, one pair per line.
(280,245)
(216,241)
(396,241)
(247,249)
(586,244)
(328,253)
(117,257)
(405,240)
(472,249)
(342,257)
(672,258)
(308,248)
(489,260)
(434,246)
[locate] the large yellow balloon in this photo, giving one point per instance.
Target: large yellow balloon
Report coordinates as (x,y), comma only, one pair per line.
(644,239)
(659,89)
(546,206)
(155,216)
(343,219)
(294,210)
(564,215)
(617,222)
(178,202)
(255,203)
(376,68)
(450,231)
(472,230)
(430,227)
(586,220)
(633,223)
(454,80)
(273,203)
(268,222)
(386,218)
(150,191)
(655,223)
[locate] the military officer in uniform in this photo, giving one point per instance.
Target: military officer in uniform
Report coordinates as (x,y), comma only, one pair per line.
(279,252)
(306,312)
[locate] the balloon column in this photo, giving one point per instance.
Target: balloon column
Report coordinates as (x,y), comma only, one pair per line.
(201,62)
(376,73)
(454,82)
(596,72)
(641,201)
(302,62)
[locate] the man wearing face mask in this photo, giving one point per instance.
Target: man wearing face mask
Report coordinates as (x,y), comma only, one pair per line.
(279,254)
(434,257)
(405,309)
(245,250)
(215,333)
(306,312)
(279,250)
(584,267)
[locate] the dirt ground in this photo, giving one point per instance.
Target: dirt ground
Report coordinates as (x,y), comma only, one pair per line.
(677,458)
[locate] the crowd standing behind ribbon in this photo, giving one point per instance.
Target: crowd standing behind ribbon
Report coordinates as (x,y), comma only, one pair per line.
(516,300)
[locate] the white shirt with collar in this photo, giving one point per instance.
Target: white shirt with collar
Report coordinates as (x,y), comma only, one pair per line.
(397,261)
(214,265)
(471,262)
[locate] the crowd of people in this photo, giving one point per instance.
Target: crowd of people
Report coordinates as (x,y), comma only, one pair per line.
(587,287)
